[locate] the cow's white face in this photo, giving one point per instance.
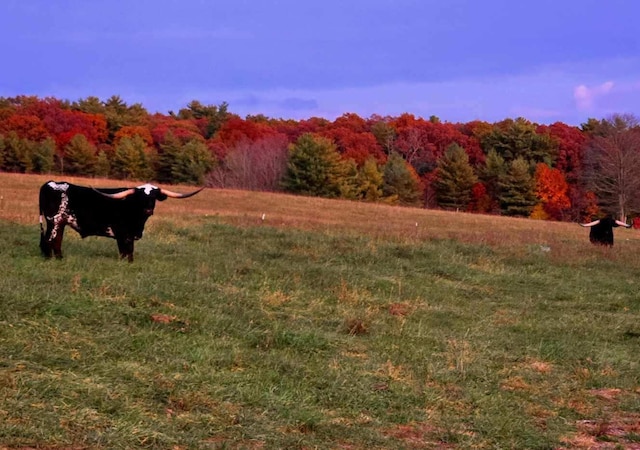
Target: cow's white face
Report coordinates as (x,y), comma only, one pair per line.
(58,186)
(147,188)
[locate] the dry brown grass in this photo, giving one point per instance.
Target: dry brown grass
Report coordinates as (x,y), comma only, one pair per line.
(19,199)
(559,242)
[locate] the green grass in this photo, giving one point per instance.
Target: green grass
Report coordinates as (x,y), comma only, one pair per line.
(255,337)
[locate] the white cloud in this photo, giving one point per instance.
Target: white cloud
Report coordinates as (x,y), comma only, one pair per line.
(585,96)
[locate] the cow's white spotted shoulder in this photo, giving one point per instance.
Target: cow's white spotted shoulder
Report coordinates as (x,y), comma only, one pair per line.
(58,186)
(147,188)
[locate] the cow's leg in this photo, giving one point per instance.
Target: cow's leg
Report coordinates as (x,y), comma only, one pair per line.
(51,240)
(55,239)
(45,240)
(125,246)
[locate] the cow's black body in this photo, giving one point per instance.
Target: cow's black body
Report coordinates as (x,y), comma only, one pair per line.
(91,213)
(601,232)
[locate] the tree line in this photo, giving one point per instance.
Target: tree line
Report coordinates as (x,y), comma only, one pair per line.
(512,167)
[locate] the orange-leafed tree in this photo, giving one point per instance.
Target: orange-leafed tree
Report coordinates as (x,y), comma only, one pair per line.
(571,144)
(552,193)
(590,208)
(62,122)
(134,130)
(26,126)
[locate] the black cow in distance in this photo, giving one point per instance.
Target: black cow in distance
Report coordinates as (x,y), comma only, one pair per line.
(601,232)
(118,213)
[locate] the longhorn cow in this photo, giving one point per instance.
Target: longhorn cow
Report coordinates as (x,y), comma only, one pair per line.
(118,213)
(601,232)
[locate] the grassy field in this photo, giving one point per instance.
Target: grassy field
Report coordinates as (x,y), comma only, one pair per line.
(328,324)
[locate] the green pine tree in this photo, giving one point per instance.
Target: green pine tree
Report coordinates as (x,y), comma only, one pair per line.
(491,173)
(183,163)
(42,156)
(103,165)
(517,189)
(17,154)
(314,168)
(165,160)
(130,160)
(80,156)
(517,138)
(455,178)
(191,163)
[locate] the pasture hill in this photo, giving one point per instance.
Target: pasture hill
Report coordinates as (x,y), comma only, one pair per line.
(256,320)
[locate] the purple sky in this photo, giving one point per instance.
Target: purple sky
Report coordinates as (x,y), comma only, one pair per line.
(461,60)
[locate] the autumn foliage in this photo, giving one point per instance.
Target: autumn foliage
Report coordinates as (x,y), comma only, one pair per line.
(551,190)
(511,167)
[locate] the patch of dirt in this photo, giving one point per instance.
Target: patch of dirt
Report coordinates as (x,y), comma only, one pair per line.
(614,429)
(417,436)
(399,309)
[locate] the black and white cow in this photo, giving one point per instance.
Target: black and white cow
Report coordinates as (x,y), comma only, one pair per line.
(601,232)
(118,213)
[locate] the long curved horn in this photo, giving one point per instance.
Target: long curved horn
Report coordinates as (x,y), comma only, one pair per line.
(118,196)
(176,195)
(590,224)
(622,224)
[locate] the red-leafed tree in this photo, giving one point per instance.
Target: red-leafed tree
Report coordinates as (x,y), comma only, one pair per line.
(351,121)
(237,130)
(289,127)
(551,191)
(571,144)
(354,139)
(481,201)
(355,145)
(423,142)
(412,144)
(25,126)
(217,148)
(181,129)
(70,123)
(58,119)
